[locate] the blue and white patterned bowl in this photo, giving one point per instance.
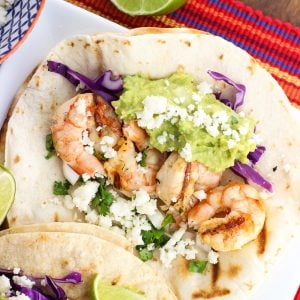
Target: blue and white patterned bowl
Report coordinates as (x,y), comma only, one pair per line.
(21,18)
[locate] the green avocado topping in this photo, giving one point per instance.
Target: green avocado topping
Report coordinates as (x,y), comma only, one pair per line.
(180,116)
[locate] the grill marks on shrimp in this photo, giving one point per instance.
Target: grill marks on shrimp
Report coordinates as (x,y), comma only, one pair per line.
(231,224)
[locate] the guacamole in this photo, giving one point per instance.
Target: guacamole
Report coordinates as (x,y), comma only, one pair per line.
(180,115)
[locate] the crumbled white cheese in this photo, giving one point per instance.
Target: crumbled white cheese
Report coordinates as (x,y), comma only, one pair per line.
(4,285)
(106,147)
(172,136)
(177,246)
(242,114)
(196,97)
(19,296)
(16,271)
(243,130)
(174,199)
(186,152)
(80,106)
(200,195)
(85,177)
(204,88)
(99,128)
(70,174)
(191,107)
(213,130)
(87,143)
(139,157)
(167,82)
(213,257)
(23,281)
(105,221)
(84,194)
(92,217)
(152,115)
(156,219)
(151,247)
(68,202)
(144,204)
(221,117)
(161,139)
(231,143)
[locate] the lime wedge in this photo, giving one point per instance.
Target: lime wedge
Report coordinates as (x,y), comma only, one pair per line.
(147,7)
(7,192)
(102,290)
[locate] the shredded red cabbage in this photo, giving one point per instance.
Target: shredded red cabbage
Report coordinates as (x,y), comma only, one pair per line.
(49,291)
(239,95)
(248,173)
(255,156)
(104,85)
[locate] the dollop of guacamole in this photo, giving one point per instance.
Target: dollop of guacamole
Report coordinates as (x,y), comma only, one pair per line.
(179,115)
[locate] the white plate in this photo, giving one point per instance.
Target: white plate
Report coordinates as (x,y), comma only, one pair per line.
(59,20)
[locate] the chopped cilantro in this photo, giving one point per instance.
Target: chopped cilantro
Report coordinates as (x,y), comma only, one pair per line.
(155,236)
(233,120)
(49,146)
(168,219)
(197,266)
(145,254)
(103,200)
(143,160)
(61,188)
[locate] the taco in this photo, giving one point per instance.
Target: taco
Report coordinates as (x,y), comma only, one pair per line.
(176,139)
(54,265)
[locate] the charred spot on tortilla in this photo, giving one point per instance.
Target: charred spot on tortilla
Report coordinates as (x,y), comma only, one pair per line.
(252,67)
(221,56)
(127,43)
(208,294)
(188,43)
(17,159)
(56,217)
(115,280)
(116,51)
(262,240)
(64,263)
(275,169)
(233,271)
(161,41)
(99,42)
(86,45)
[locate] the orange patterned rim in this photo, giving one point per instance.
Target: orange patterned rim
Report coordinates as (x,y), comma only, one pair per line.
(19,43)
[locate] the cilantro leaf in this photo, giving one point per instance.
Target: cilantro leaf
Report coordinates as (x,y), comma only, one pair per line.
(61,188)
(49,146)
(168,219)
(103,200)
(197,266)
(155,236)
(145,254)
(143,160)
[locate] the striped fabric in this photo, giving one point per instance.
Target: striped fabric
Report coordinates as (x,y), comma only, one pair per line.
(274,44)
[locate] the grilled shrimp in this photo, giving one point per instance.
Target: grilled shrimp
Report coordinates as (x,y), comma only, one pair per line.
(178,180)
(84,115)
(244,216)
(127,175)
(138,135)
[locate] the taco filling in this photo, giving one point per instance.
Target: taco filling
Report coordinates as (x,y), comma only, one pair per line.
(144,157)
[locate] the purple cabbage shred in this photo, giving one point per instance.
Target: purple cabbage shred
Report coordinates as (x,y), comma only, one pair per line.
(48,290)
(240,90)
(105,85)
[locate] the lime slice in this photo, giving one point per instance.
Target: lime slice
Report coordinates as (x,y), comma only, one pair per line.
(147,7)
(7,192)
(102,290)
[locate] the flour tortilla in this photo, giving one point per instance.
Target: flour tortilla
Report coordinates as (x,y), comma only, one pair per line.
(72,227)
(56,254)
(158,53)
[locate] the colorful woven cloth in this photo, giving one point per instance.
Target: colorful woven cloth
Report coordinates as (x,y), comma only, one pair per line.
(274,44)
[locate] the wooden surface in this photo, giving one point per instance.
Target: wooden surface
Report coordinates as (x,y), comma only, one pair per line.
(285,10)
